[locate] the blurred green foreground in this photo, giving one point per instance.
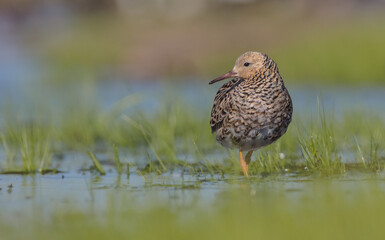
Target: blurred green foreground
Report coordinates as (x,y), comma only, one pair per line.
(323,209)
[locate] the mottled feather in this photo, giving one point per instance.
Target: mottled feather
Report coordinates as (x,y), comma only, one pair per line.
(253,109)
(222,104)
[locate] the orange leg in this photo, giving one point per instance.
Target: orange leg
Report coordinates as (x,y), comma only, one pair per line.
(244,164)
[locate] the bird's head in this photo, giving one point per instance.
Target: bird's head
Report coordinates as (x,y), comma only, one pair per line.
(246,66)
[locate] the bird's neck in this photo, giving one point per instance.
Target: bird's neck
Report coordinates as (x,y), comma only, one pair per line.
(269,78)
(270,64)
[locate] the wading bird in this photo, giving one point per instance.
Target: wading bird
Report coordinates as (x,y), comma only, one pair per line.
(252,110)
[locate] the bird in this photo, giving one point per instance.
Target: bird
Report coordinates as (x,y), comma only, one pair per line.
(253,109)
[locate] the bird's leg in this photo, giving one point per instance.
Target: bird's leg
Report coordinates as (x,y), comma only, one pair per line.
(248,157)
(244,164)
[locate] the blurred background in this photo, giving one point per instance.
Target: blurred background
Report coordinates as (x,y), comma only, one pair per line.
(123,85)
(314,42)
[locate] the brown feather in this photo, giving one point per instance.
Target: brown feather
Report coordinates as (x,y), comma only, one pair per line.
(253,109)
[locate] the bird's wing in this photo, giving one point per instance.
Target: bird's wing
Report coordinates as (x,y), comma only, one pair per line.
(222,104)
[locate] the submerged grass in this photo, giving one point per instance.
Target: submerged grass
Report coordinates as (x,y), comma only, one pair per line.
(172,149)
(96,163)
(118,163)
(176,138)
(28,144)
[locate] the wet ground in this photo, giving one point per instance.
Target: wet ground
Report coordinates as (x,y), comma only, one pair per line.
(85,191)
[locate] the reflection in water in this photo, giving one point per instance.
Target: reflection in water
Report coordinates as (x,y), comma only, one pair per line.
(90,191)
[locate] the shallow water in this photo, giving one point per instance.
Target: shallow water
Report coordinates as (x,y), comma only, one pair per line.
(88,191)
(80,188)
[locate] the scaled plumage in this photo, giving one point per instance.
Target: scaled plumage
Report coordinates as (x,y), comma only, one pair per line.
(254,109)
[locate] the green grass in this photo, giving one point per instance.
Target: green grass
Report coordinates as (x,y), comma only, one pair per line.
(319,146)
(177,137)
(97,164)
(33,150)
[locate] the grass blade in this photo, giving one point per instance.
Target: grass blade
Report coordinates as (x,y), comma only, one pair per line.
(97,164)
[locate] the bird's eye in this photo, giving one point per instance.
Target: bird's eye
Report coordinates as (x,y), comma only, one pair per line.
(246,64)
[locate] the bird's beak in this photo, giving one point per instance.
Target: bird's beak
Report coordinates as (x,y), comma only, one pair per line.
(224,76)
